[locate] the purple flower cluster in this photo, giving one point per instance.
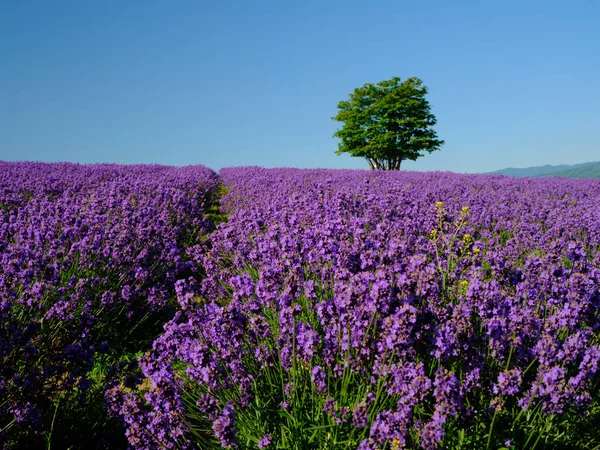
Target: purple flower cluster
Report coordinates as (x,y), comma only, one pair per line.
(499,272)
(378,310)
(88,253)
(439,288)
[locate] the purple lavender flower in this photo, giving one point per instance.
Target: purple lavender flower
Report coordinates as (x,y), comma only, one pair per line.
(318,377)
(508,382)
(265,441)
(224,427)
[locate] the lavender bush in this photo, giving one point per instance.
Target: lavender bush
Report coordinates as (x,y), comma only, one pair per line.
(90,260)
(350,309)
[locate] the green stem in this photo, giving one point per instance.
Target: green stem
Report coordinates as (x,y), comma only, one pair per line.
(49,440)
(489,440)
(10,424)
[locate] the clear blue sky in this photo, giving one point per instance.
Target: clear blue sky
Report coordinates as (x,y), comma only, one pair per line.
(226,83)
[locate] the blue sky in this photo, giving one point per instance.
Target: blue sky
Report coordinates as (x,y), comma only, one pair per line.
(228,83)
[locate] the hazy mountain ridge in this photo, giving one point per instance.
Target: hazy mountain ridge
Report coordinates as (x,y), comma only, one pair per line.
(584,170)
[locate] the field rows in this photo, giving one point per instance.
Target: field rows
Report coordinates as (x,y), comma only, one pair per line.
(332,309)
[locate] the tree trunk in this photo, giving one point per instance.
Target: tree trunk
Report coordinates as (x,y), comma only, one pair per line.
(386,164)
(392,164)
(374,164)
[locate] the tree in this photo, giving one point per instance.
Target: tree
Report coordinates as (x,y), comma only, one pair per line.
(387,123)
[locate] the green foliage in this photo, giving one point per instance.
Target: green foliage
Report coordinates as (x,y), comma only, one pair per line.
(387,123)
(213,210)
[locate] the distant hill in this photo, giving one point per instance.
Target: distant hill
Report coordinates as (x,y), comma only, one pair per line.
(584,170)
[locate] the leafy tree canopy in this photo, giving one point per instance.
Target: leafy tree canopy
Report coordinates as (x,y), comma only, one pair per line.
(387,123)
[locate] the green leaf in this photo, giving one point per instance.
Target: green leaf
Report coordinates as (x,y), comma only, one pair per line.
(387,123)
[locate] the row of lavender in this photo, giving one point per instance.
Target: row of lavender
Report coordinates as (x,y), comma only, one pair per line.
(90,257)
(346,309)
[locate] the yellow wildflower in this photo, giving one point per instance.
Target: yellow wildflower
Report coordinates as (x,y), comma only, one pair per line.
(395,444)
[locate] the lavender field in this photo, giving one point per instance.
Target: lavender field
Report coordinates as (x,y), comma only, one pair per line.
(157,307)
(90,257)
